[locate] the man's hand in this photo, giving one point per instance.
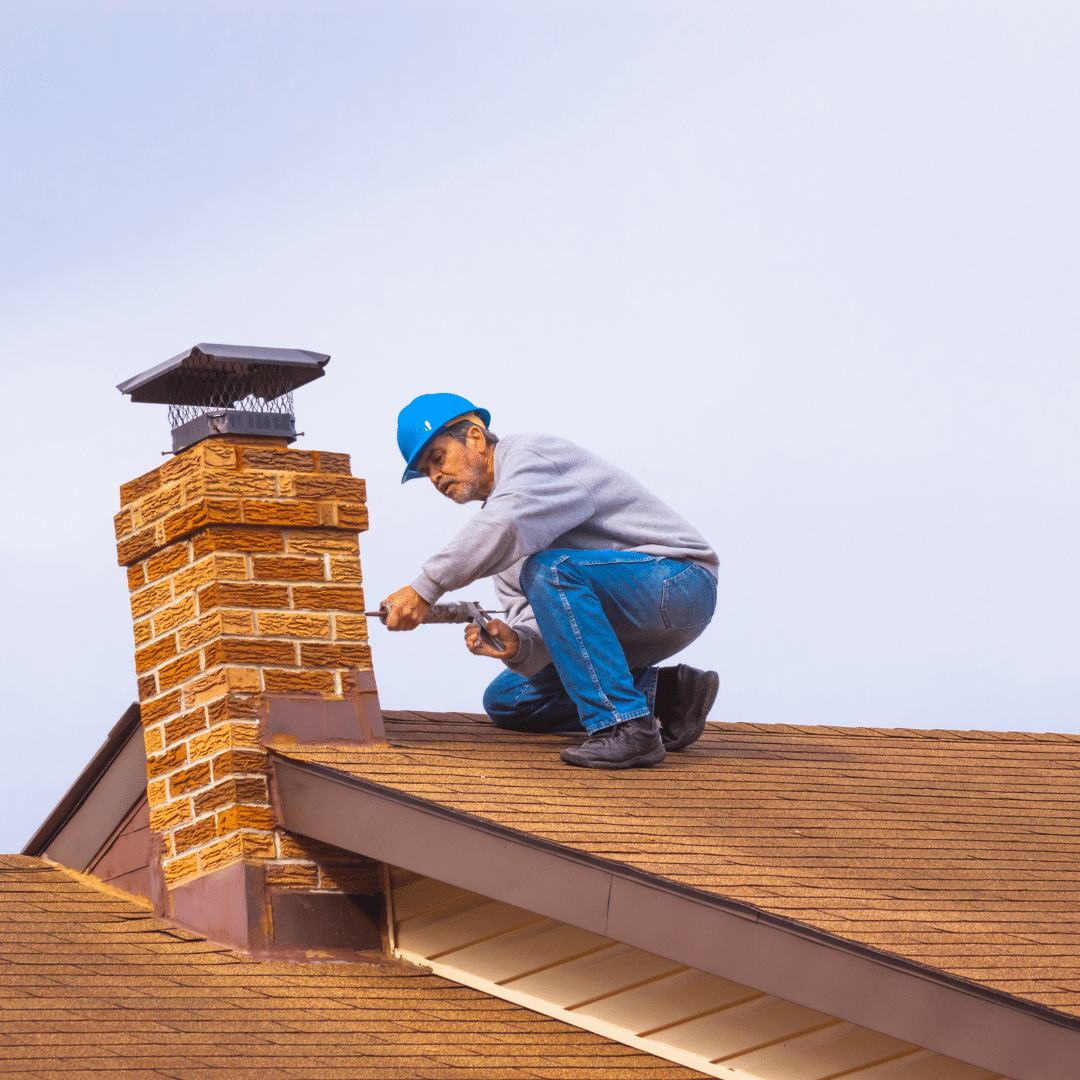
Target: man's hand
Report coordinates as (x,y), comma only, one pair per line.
(408,609)
(501,632)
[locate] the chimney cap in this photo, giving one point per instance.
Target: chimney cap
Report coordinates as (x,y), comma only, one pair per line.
(175,382)
(228,389)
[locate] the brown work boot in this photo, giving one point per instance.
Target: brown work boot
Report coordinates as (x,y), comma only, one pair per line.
(684,696)
(625,745)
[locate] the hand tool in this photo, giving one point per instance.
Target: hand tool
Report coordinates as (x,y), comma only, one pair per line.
(461,611)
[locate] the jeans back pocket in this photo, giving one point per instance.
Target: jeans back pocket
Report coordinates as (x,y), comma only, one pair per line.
(688,599)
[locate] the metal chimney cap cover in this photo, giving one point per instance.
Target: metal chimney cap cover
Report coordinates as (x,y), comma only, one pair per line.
(176,381)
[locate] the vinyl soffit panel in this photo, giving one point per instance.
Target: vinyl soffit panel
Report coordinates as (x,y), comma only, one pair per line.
(675,1012)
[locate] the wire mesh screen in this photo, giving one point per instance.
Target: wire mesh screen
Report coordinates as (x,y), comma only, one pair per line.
(211,385)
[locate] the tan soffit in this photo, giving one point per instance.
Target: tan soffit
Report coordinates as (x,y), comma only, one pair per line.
(668,1009)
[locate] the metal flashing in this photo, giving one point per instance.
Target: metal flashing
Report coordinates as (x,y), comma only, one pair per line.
(723,937)
(299,719)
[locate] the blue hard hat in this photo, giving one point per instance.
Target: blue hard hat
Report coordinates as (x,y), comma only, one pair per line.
(424,418)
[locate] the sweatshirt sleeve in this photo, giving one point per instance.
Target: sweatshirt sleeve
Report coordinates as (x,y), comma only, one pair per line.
(531,505)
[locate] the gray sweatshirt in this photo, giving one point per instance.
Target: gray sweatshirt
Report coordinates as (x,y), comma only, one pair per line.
(550,493)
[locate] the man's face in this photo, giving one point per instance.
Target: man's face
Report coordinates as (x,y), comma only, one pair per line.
(460,470)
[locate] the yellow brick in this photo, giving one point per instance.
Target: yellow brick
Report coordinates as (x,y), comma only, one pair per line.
(185,725)
(193,577)
(237,622)
(215,624)
(293,875)
(346,569)
(303,682)
(302,847)
(231,482)
(202,689)
(167,562)
(327,462)
(146,600)
(166,763)
(137,546)
(154,739)
(317,541)
(244,817)
(220,854)
(156,792)
(199,633)
(179,671)
(144,631)
(183,611)
(288,568)
(159,708)
(217,455)
(123,523)
(338,488)
(230,567)
(238,707)
(352,516)
(257,844)
(183,466)
(348,598)
(136,576)
(277,460)
(167,816)
(177,871)
(162,500)
(357,875)
(288,624)
(227,736)
(350,628)
(279,513)
(215,683)
(140,487)
(151,655)
(188,780)
(194,834)
(235,847)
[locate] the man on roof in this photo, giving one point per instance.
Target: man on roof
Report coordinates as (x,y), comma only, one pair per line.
(601,581)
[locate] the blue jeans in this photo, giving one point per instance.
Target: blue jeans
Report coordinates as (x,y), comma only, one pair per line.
(607,619)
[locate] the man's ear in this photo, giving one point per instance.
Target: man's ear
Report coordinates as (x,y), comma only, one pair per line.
(476,437)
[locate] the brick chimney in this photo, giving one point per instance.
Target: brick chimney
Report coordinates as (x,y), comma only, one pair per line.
(244,571)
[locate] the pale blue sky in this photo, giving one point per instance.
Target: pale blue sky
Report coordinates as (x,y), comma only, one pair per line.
(808,269)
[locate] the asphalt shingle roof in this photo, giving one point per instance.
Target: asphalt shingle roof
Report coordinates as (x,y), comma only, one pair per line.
(958,850)
(91,983)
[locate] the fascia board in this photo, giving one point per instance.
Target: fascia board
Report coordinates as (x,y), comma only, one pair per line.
(885,993)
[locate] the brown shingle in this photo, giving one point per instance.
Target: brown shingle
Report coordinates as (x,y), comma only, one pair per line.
(955,849)
(92,983)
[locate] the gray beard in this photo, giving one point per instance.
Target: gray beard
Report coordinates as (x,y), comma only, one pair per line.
(464,493)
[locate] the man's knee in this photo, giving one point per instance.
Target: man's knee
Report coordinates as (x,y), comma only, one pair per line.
(536,570)
(500,698)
